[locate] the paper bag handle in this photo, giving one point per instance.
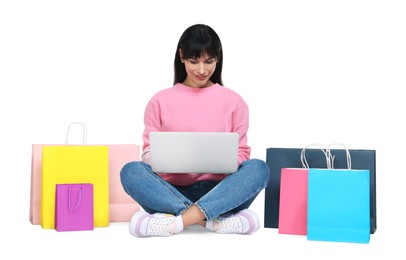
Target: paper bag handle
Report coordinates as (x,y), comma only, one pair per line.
(84,128)
(347,153)
(71,209)
(322,148)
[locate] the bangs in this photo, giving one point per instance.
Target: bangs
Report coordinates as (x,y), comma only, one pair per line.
(198,48)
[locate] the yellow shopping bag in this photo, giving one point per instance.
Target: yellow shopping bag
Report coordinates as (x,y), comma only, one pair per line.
(63,164)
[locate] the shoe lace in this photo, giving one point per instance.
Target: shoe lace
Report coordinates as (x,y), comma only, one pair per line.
(230,225)
(159,227)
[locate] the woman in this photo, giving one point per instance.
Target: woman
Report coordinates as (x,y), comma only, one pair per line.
(197,102)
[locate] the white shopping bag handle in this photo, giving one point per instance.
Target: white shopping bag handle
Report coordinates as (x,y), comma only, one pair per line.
(322,148)
(347,152)
(84,128)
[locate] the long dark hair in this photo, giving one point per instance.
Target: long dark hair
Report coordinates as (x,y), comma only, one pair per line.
(195,41)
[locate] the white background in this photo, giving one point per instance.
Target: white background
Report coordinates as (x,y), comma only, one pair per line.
(311,71)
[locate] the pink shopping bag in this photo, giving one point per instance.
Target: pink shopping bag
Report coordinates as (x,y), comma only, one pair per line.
(74,207)
(122,206)
(293,201)
(36,184)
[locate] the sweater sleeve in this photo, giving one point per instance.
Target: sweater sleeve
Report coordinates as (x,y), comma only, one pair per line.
(152,123)
(240,125)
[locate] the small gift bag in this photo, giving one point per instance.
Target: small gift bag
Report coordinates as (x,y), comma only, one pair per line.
(74,207)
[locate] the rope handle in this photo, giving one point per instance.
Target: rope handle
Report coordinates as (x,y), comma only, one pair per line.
(79,200)
(347,153)
(325,151)
(84,128)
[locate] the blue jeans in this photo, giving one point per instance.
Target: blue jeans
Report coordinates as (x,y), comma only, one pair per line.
(233,194)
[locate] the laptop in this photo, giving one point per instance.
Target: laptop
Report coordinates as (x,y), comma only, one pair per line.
(194,152)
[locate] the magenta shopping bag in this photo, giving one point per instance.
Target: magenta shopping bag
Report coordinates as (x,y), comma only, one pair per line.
(74,207)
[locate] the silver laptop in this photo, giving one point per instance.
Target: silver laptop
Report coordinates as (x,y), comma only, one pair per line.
(194,152)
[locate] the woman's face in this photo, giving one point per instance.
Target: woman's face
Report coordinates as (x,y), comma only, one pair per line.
(199,71)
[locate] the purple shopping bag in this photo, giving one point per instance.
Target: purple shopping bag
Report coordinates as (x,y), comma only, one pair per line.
(74,207)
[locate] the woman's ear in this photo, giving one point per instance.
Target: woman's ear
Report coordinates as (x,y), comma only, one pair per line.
(181,56)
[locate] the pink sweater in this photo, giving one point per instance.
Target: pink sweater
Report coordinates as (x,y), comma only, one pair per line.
(185,109)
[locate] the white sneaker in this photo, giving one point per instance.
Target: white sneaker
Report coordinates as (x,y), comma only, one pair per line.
(244,222)
(143,224)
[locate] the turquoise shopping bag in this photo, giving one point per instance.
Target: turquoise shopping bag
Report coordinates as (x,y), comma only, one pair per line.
(338,205)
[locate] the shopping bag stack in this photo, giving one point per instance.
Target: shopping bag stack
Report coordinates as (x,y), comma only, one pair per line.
(328,201)
(97,166)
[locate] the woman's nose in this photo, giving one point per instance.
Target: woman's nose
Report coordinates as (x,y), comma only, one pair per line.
(201,68)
